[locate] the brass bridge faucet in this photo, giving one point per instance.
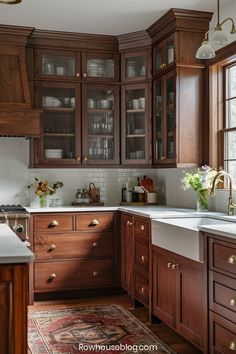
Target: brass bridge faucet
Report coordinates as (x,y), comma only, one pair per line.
(231,205)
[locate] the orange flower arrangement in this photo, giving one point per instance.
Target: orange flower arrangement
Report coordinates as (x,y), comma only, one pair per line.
(42,188)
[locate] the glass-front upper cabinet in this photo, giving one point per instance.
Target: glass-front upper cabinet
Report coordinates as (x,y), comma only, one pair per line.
(100,66)
(135,66)
(135,132)
(164,54)
(164,119)
(57,64)
(59,123)
(100,124)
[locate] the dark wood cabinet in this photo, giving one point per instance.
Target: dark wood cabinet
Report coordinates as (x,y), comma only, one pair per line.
(136,65)
(100,66)
(178,294)
(75,251)
(164,54)
(13,308)
(222,293)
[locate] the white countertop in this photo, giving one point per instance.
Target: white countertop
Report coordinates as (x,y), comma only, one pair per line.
(12,249)
(226,230)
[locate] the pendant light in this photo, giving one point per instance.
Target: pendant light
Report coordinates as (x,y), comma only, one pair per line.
(10,2)
(217,40)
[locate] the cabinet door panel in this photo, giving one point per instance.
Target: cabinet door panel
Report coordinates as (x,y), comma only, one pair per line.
(164,288)
(127,253)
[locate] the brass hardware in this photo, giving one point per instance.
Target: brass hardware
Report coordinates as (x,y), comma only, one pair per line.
(231,205)
(232,346)
(78,74)
(142,227)
(231,259)
(94,222)
(95,274)
(51,248)
(95,244)
(143,259)
(77,158)
(169,265)
(84,75)
(54,223)
(128,222)
(85,158)
(163,65)
(142,290)
(163,158)
(232,301)
(51,277)
(175,266)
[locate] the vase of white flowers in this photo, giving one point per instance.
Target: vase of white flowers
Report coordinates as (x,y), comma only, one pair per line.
(201,182)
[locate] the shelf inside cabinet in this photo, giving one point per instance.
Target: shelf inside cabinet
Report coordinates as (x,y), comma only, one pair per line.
(59,109)
(62,135)
(135,110)
(101,136)
(135,136)
(100,110)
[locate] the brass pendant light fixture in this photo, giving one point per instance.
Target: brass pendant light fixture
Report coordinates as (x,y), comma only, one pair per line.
(10,2)
(217,40)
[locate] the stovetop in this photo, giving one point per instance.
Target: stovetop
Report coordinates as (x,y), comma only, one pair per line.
(12,209)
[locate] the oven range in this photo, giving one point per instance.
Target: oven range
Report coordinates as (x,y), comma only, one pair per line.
(17,218)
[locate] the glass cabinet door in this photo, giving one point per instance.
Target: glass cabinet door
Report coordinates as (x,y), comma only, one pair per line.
(158,121)
(59,123)
(100,66)
(135,126)
(58,64)
(164,54)
(134,67)
(170,118)
(100,124)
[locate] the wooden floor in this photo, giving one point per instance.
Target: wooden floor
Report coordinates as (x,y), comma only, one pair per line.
(177,343)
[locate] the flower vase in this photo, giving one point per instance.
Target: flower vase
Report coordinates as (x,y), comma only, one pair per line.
(202,200)
(42,201)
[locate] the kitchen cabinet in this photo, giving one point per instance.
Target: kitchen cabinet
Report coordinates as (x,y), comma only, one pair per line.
(135,66)
(135,260)
(222,294)
(164,54)
(135,125)
(13,307)
(178,295)
(74,252)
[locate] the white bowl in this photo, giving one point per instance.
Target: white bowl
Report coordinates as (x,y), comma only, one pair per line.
(53,153)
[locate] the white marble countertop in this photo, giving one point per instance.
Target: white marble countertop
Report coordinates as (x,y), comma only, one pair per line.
(12,249)
(226,230)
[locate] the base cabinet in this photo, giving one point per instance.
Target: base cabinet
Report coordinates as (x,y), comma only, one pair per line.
(178,294)
(13,308)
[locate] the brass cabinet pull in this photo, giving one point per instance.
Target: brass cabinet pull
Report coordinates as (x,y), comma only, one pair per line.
(95,274)
(231,259)
(232,301)
(128,222)
(77,158)
(51,277)
(94,222)
(78,74)
(51,248)
(54,223)
(143,259)
(169,265)
(232,346)
(163,65)
(175,266)
(85,158)
(142,290)
(163,158)
(84,75)
(95,244)
(142,227)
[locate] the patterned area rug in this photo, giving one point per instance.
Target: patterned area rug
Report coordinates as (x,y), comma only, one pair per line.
(103,329)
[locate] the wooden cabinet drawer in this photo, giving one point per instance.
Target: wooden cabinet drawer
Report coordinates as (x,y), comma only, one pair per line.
(142,286)
(94,221)
(222,295)
(141,247)
(79,274)
(222,335)
(53,223)
(223,257)
(141,227)
(74,244)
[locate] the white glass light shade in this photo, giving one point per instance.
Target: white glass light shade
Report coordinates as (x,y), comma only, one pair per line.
(10,2)
(205,51)
(218,39)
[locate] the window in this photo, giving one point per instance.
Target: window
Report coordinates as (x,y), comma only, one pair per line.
(229,131)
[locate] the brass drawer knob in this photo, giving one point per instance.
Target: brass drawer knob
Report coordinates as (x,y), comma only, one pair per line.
(53,223)
(51,248)
(128,222)
(85,158)
(163,158)
(78,74)
(143,259)
(94,222)
(175,266)
(142,290)
(51,277)
(77,158)
(169,265)
(95,244)
(232,346)
(95,274)
(84,75)
(142,227)
(231,259)
(232,301)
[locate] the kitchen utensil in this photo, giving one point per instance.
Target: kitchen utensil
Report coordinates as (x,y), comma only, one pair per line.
(147,184)
(94,193)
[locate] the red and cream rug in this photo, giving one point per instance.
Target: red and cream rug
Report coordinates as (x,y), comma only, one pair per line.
(109,329)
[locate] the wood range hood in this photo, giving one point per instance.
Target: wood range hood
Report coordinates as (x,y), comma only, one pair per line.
(17,118)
